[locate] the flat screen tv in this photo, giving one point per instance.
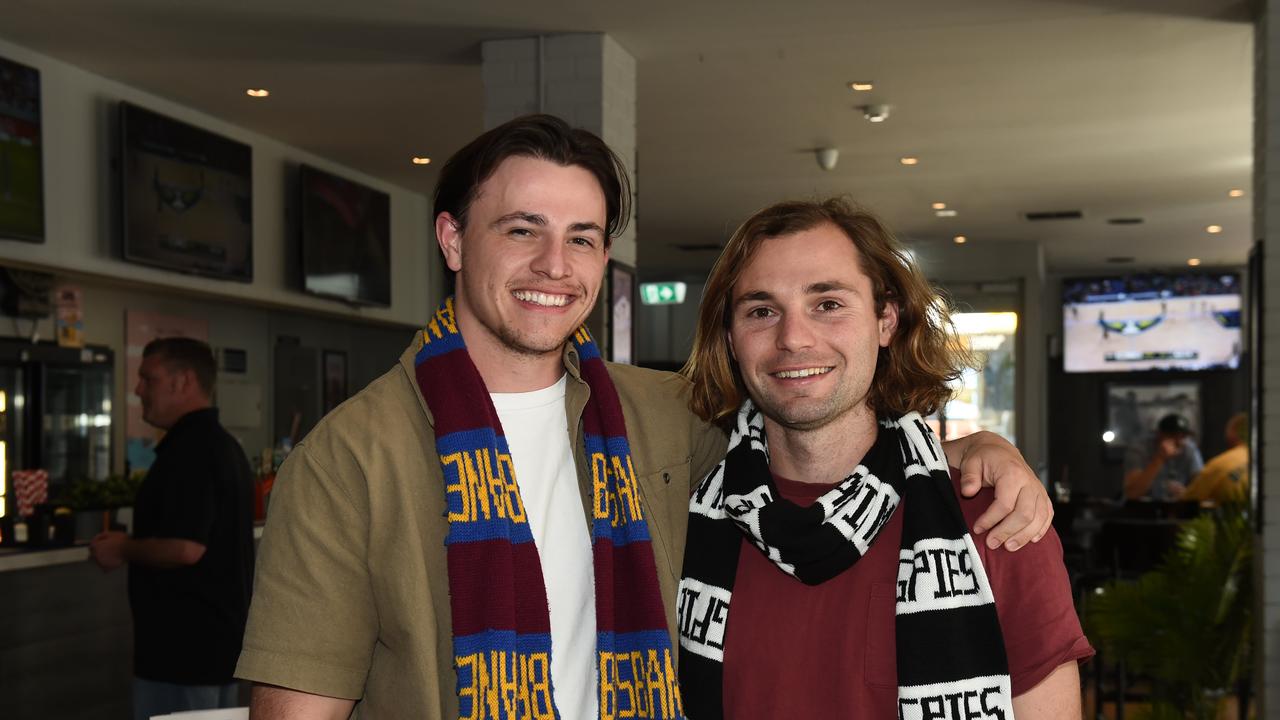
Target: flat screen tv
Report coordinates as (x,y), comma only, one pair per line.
(1152,321)
(21,164)
(346,239)
(186,197)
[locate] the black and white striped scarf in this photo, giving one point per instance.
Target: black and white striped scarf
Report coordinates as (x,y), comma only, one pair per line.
(950,652)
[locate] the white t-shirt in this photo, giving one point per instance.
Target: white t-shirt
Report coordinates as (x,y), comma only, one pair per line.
(535,424)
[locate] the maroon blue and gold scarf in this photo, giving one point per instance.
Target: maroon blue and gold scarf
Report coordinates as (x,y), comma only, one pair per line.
(501,627)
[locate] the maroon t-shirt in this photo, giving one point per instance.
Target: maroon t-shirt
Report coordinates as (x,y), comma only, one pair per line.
(795,650)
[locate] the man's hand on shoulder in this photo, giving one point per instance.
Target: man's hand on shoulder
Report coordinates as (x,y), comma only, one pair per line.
(1021,511)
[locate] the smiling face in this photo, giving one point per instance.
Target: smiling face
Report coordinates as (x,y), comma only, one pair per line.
(529,262)
(804,330)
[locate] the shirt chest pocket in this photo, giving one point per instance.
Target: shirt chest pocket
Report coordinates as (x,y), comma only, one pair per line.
(664,496)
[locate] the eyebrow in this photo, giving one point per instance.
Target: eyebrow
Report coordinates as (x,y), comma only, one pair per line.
(828,286)
(528,217)
(541,221)
(817,288)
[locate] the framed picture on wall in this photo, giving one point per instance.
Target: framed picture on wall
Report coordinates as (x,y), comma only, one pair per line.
(621,318)
(334,372)
(1133,409)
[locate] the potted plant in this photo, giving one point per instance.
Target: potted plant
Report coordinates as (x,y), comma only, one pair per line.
(1187,624)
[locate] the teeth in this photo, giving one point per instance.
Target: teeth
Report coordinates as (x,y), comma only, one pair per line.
(806,372)
(544,299)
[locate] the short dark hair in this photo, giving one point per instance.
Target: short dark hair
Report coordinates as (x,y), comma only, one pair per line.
(544,137)
(182,353)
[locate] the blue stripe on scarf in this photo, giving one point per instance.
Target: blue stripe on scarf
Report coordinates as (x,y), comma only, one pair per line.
(480,528)
(503,690)
(436,346)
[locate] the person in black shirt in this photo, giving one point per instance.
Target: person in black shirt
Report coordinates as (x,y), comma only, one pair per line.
(191,553)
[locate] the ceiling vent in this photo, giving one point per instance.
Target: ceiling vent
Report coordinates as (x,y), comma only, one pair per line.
(1125,221)
(1053,215)
(699,247)
(1120,259)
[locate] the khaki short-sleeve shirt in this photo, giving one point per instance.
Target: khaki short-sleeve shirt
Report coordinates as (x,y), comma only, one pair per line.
(351,595)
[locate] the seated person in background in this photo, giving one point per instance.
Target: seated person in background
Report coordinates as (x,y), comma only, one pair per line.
(1225,478)
(1159,468)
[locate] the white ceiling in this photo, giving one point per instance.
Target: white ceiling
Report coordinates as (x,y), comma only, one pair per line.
(1118,108)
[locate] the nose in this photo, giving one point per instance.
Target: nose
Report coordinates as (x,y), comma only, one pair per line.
(550,259)
(795,332)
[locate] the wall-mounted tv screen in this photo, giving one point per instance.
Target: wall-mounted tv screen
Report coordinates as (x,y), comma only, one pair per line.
(187,197)
(346,239)
(1173,321)
(21,166)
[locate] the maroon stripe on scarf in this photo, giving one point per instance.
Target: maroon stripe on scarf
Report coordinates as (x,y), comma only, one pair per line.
(476,568)
(633,590)
(450,381)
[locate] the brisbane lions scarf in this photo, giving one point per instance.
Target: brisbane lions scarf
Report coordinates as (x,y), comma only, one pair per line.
(501,627)
(950,653)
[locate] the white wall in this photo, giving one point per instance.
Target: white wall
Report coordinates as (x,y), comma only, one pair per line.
(78,119)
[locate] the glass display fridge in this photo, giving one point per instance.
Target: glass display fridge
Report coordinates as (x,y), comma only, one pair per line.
(55,414)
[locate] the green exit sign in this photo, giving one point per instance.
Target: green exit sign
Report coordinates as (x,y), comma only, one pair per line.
(662,293)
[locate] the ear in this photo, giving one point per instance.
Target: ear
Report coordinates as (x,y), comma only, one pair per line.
(728,339)
(449,237)
(888,323)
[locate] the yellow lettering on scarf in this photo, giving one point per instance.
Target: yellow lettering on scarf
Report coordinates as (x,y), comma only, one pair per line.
(673,684)
(461,487)
(608,693)
(468,692)
(540,686)
(506,685)
(652,690)
(515,506)
(446,317)
(479,488)
(627,493)
(495,485)
(626,690)
(600,486)
(483,487)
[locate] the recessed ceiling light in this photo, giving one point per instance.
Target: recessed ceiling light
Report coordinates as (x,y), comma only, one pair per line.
(257,92)
(945,213)
(1237,192)
(1213,229)
(1193,262)
(861,85)
(909,160)
(960,239)
(939,206)
(419,160)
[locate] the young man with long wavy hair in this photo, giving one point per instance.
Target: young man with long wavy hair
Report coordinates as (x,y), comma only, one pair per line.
(830,569)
